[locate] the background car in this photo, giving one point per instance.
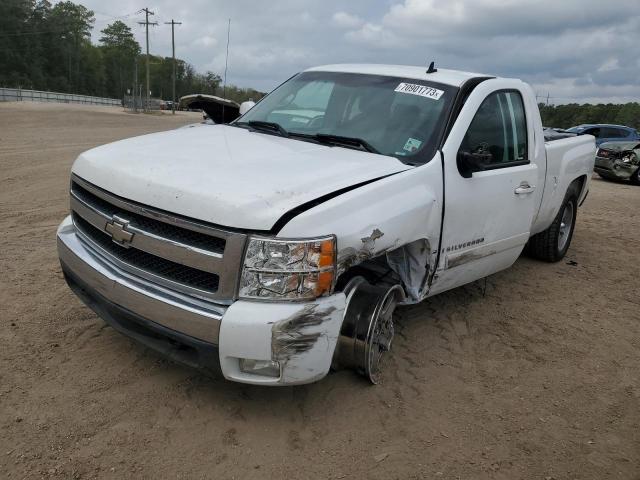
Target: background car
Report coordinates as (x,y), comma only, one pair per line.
(619,161)
(607,133)
(216,109)
(553,133)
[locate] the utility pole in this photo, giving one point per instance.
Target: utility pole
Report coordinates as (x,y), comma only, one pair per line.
(146,23)
(135,83)
(226,63)
(173,52)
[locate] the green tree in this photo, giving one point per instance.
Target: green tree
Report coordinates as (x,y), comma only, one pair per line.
(565,116)
(14,26)
(629,114)
(73,23)
(120,50)
(47,47)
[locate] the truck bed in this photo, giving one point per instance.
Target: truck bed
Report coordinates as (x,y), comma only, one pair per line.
(566,157)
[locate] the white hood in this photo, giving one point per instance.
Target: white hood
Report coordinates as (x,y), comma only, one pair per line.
(227,175)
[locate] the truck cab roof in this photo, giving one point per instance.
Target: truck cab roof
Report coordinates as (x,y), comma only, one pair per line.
(455,78)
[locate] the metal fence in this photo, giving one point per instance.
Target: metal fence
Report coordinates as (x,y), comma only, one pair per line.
(137,103)
(20,95)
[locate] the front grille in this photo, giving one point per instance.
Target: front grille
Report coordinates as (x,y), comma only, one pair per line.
(189,237)
(175,252)
(152,264)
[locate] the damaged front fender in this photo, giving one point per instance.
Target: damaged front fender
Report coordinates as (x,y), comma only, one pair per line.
(398,217)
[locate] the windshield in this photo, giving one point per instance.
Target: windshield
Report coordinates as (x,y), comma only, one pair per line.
(392,116)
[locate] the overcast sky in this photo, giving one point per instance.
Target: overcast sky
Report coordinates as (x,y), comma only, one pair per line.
(573,50)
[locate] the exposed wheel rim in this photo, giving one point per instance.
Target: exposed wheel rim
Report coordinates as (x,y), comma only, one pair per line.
(566,225)
(381,335)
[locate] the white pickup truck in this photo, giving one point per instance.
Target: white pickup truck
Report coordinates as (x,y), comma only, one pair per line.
(277,247)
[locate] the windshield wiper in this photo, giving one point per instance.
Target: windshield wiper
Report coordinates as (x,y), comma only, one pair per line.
(345,141)
(270,127)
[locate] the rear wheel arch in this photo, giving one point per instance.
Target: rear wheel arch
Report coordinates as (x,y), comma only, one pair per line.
(552,244)
(578,185)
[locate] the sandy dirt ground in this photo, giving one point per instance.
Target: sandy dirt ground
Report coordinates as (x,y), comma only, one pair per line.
(538,377)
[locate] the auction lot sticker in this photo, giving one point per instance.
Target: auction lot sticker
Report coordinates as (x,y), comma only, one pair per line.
(420,90)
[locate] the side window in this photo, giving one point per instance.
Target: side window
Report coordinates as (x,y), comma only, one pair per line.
(614,133)
(593,131)
(499,130)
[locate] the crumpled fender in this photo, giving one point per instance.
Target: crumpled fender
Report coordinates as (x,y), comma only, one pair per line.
(381,217)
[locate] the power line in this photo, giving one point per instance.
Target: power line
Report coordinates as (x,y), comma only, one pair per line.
(173,53)
(117,16)
(146,23)
(20,34)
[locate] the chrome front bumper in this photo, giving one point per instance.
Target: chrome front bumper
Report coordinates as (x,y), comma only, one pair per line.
(300,336)
(105,288)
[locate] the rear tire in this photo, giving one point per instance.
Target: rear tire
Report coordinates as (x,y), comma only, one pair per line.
(552,244)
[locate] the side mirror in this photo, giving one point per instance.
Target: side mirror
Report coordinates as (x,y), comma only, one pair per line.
(469,162)
(246,106)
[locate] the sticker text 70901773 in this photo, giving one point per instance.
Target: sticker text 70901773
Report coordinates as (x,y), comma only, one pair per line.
(420,90)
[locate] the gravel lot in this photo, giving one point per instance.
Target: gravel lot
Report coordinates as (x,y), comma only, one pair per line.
(536,378)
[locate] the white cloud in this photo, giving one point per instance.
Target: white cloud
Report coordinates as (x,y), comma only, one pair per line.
(205,41)
(609,65)
(425,17)
(374,35)
(346,20)
(567,47)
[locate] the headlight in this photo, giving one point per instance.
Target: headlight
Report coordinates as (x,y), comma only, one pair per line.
(627,159)
(288,269)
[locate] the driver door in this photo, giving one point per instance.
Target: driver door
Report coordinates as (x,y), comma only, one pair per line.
(489,214)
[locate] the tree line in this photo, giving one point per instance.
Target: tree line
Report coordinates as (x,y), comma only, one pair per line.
(45,47)
(566,116)
(48,47)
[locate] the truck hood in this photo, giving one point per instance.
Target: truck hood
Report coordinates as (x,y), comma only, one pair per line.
(227,175)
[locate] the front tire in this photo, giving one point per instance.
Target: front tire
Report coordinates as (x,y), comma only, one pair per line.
(635,178)
(552,244)
(367,330)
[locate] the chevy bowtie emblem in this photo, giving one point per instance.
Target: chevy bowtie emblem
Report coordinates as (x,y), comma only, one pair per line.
(117,228)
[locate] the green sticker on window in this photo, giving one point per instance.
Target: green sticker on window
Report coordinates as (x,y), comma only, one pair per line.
(412,145)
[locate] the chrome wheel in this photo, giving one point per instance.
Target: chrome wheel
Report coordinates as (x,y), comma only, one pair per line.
(380,336)
(566,225)
(367,330)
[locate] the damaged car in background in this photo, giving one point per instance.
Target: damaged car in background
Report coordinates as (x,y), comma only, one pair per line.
(277,247)
(619,161)
(214,109)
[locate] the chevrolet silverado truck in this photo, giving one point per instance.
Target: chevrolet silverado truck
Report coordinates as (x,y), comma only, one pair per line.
(277,247)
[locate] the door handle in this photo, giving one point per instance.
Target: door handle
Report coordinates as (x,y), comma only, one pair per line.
(523,188)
